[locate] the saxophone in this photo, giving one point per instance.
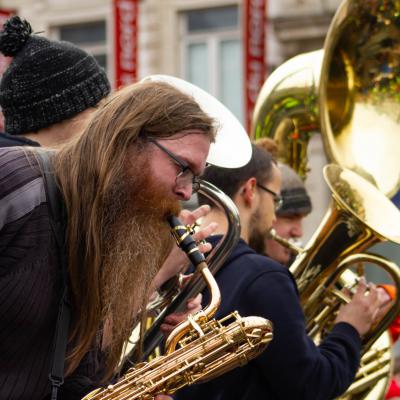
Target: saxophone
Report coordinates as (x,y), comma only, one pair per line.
(207,348)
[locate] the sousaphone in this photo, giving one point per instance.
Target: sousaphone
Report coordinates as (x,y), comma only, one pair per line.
(349,93)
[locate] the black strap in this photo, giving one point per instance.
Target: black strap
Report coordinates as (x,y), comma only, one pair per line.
(57,222)
(56,375)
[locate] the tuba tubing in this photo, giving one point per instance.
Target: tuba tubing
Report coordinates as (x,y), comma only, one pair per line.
(329,285)
(296,250)
(392,269)
(359,216)
(346,91)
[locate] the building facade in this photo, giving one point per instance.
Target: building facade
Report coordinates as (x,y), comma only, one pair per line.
(198,40)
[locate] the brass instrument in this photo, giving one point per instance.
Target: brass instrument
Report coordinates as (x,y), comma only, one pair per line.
(359,216)
(348,91)
(207,348)
(231,137)
(294,248)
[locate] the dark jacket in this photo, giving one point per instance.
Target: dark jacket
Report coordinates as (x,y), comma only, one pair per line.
(292,367)
(7,140)
(31,286)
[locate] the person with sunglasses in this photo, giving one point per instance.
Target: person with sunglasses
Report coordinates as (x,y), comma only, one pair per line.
(292,366)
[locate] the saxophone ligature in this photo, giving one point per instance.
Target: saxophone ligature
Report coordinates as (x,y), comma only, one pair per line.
(198,349)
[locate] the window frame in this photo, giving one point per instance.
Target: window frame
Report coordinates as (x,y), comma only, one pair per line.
(95,49)
(212,39)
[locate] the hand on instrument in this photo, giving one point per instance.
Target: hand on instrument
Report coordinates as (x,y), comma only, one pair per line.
(363,308)
(177,261)
(190,218)
(163,397)
(171,321)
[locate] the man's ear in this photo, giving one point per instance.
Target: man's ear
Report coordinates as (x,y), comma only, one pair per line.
(248,190)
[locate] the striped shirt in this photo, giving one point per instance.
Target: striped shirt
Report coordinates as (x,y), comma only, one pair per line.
(30,281)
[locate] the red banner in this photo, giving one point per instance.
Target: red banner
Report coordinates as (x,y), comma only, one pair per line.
(254,13)
(125,41)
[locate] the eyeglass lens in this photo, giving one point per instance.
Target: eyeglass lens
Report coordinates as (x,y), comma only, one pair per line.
(276,197)
(186,178)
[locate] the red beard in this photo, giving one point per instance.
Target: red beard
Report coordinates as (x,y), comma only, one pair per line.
(137,240)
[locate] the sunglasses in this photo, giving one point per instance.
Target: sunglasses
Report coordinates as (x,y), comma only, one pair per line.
(186,176)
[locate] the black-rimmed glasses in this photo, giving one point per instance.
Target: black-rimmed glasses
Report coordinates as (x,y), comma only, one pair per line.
(186,176)
(277,197)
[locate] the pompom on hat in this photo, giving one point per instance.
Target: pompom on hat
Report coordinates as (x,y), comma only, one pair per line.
(47,81)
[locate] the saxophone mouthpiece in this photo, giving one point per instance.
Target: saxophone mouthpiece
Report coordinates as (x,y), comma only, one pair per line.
(185,241)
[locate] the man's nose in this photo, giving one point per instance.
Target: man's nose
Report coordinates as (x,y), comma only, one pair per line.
(297,229)
(184,192)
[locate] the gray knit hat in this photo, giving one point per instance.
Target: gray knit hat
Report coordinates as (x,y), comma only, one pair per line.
(47,81)
(294,194)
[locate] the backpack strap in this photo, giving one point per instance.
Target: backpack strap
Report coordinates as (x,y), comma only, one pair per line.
(57,221)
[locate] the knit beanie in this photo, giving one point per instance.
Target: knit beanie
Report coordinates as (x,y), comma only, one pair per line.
(47,81)
(294,194)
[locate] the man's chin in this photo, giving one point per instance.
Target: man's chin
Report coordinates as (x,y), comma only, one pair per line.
(173,210)
(285,258)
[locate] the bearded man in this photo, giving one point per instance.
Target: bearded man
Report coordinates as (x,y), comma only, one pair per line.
(139,156)
(292,367)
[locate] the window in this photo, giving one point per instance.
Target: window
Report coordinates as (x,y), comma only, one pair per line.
(212,54)
(212,19)
(90,36)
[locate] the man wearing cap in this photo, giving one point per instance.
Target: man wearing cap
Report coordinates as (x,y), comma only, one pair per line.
(296,205)
(49,89)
